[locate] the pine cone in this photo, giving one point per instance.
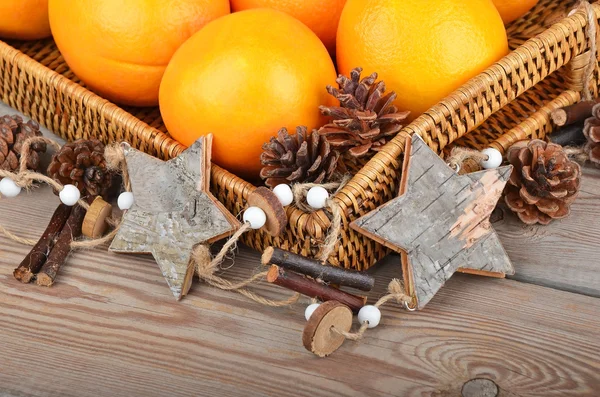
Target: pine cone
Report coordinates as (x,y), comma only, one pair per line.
(591,130)
(298,158)
(82,163)
(366,120)
(544,181)
(13,133)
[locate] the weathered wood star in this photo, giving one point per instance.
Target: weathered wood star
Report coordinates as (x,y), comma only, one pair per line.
(439,222)
(173,211)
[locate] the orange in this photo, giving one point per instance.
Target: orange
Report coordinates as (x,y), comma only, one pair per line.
(320,16)
(24,19)
(120,49)
(423,50)
(512,9)
(242,78)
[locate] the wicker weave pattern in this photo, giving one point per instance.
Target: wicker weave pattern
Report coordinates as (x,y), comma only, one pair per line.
(509,101)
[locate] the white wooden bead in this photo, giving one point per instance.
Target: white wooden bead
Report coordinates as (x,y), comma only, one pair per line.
(317,197)
(255,216)
(494,158)
(8,188)
(69,195)
(310,309)
(284,194)
(125,200)
(369,313)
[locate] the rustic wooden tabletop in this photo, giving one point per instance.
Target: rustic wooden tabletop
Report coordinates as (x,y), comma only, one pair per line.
(110,325)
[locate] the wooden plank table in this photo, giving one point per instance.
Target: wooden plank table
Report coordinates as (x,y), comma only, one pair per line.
(110,326)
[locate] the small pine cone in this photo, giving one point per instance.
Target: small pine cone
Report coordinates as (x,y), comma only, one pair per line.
(13,133)
(544,182)
(366,119)
(81,163)
(591,130)
(299,158)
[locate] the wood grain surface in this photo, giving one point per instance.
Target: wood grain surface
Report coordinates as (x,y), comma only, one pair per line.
(564,254)
(109,327)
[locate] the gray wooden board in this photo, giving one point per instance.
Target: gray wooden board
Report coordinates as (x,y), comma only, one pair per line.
(441,221)
(109,327)
(566,253)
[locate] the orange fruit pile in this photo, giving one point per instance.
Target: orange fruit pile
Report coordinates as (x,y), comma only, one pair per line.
(120,49)
(24,19)
(241,78)
(423,50)
(320,16)
(511,10)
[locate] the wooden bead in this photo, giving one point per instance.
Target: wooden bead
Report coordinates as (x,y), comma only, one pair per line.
(318,337)
(494,158)
(94,223)
(69,195)
(317,197)
(125,200)
(8,188)
(255,216)
(284,194)
(371,314)
(266,200)
(310,309)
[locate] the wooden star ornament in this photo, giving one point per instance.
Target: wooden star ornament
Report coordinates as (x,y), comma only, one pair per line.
(173,211)
(439,222)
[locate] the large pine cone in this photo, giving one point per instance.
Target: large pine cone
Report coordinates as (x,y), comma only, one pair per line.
(591,130)
(13,133)
(299,158)
(366,118)
(82,163)
(544,182)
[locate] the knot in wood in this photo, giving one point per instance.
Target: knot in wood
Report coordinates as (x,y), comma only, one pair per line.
(479,387)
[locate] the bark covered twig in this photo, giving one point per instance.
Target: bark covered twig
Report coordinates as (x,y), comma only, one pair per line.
(316,270)
(39,253)
(62,248)
(313,289)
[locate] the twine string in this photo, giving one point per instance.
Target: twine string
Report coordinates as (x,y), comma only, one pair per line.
(578,154)
(396,292)
(333,234)
(206,267)
(300,191)
(115,161)
(25,179)
(25,149)
(16,238)
(459,156)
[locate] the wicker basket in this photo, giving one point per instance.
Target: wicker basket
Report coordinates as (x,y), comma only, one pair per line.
(509,101)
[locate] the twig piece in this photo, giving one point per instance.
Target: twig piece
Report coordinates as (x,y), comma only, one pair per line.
(313,289)
(316,270)
(62,248)
(39,253)
(573,114)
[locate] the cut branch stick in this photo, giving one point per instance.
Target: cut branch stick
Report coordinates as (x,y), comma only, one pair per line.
(39,253)
(62,248)
(316,270)
(296,282)
(574,113)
